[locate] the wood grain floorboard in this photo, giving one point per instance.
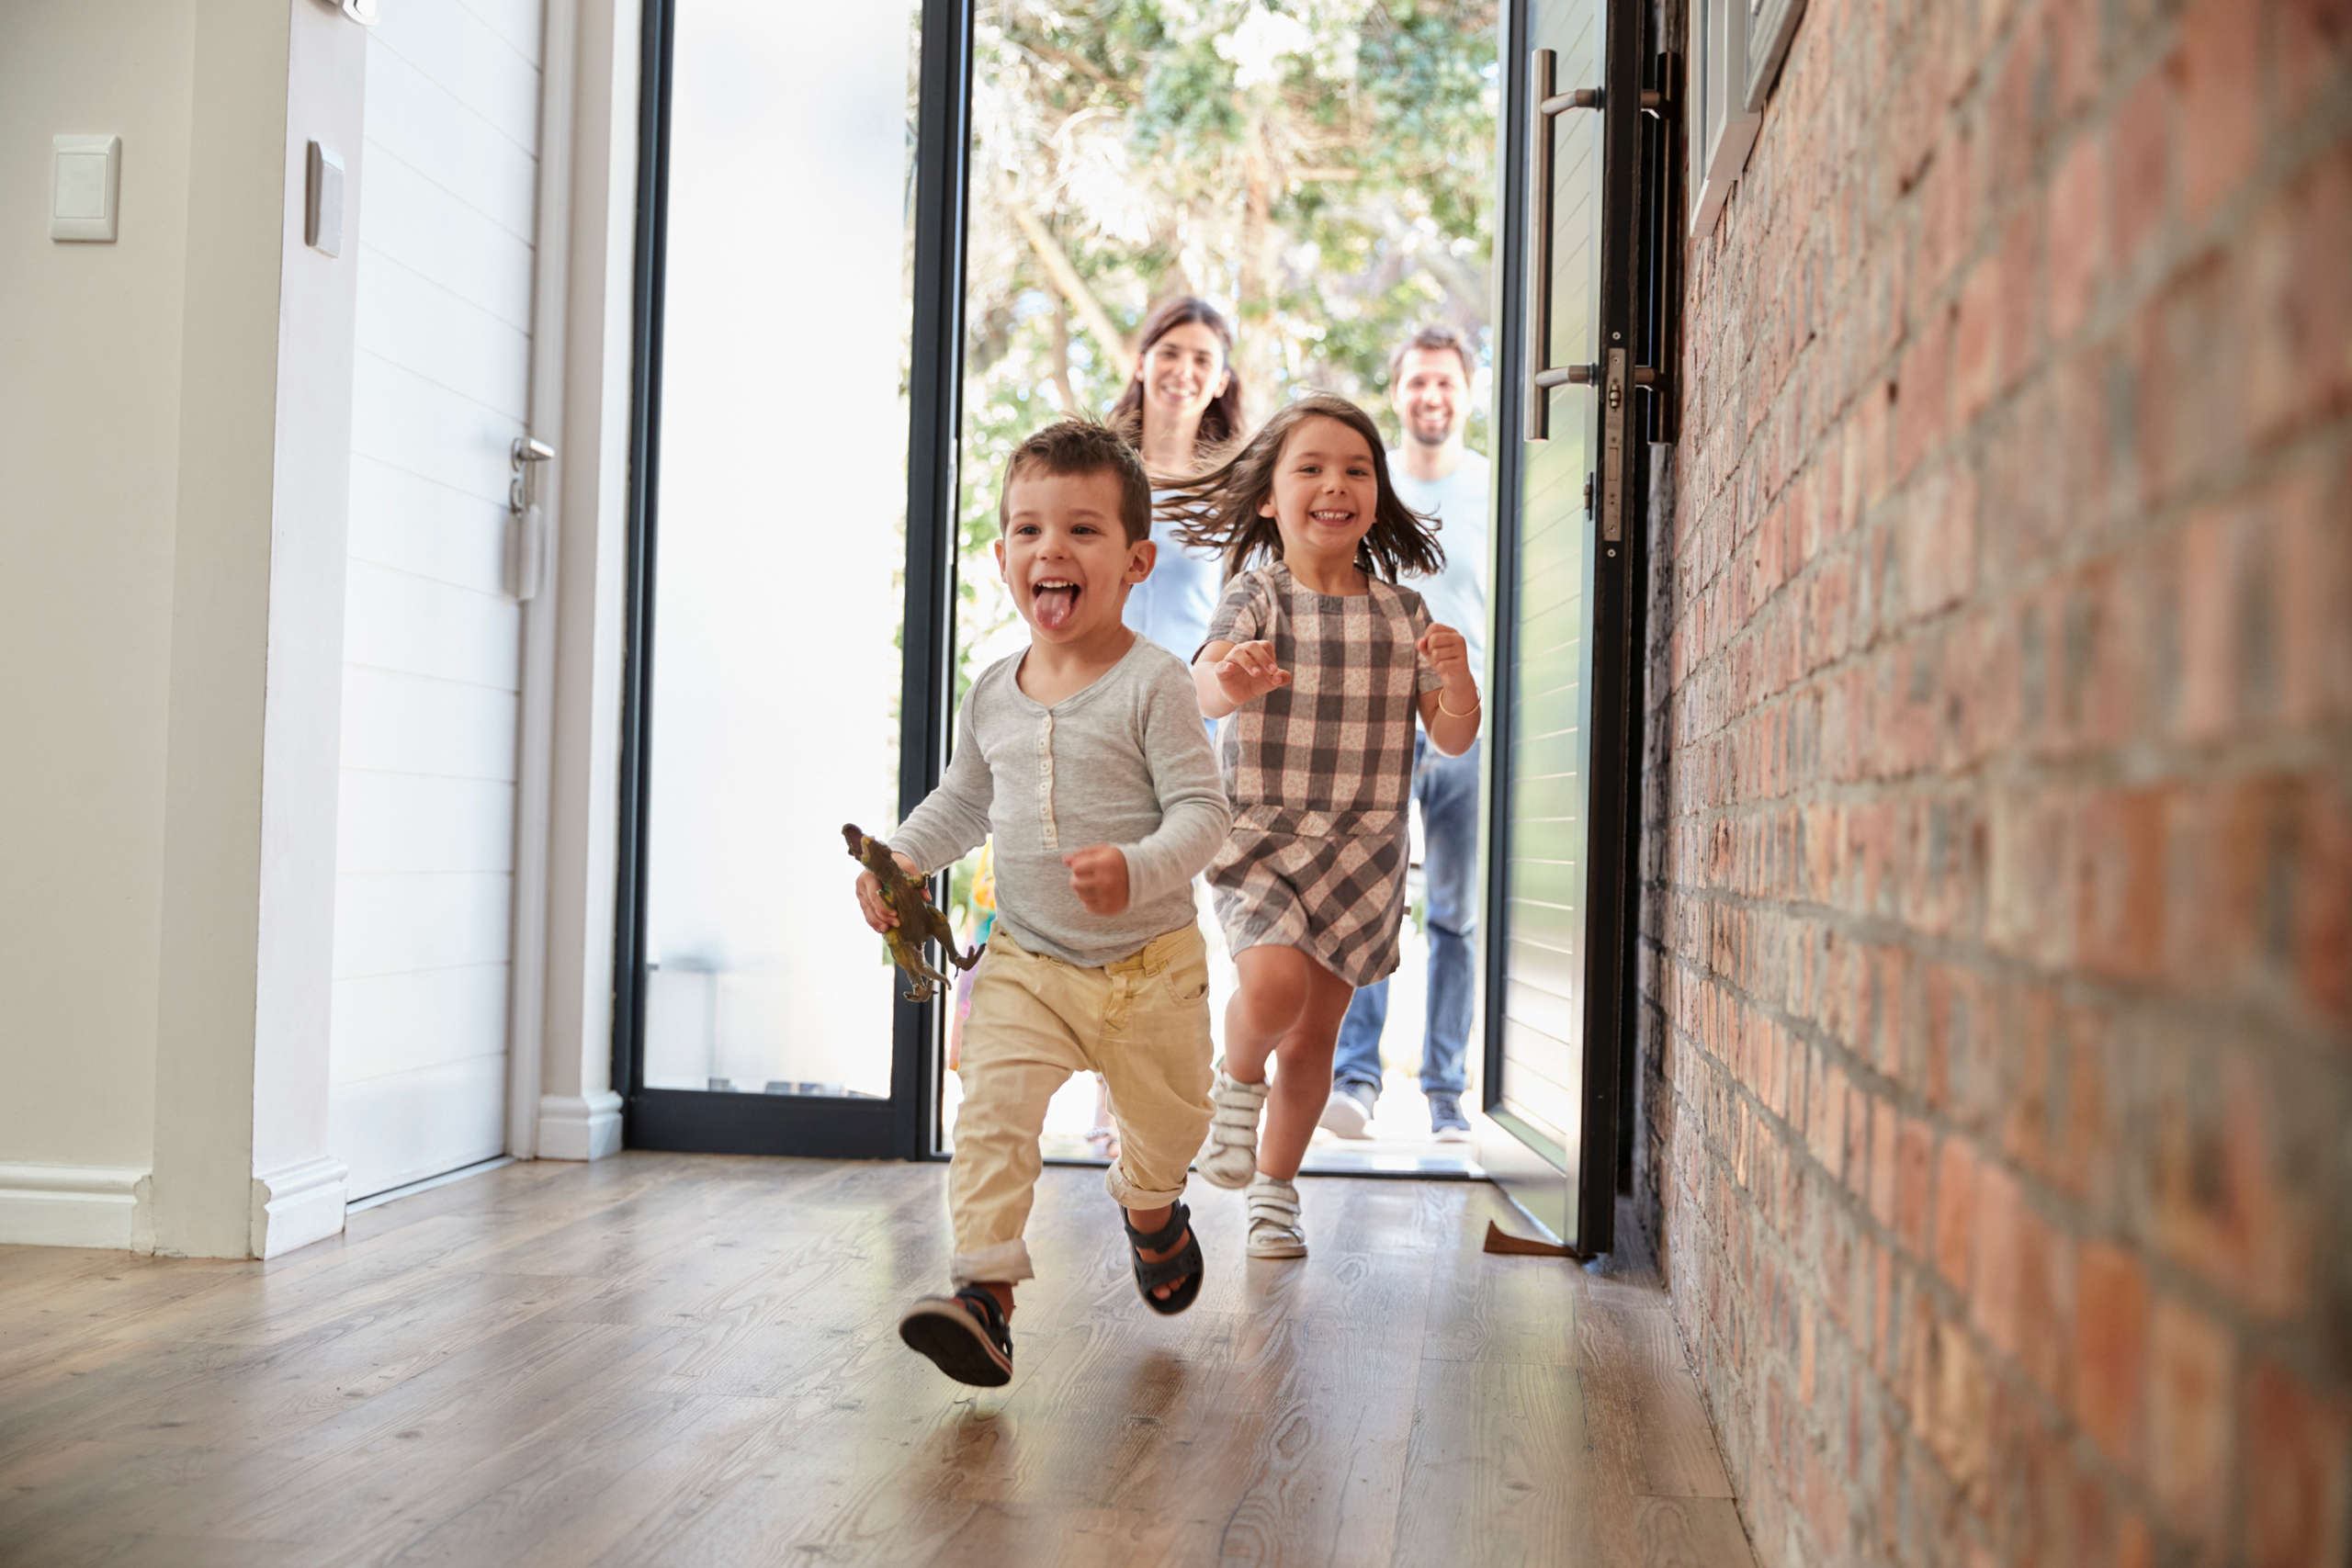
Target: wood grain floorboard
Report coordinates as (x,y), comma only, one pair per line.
(1648,1421)
(691,1361)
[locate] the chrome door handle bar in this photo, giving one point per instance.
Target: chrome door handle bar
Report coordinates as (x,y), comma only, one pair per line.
(1548,104)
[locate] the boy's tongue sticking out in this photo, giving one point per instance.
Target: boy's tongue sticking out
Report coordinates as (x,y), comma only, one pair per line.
(1056,602)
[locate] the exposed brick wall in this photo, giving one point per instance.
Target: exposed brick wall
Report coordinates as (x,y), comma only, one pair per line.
(1997,970)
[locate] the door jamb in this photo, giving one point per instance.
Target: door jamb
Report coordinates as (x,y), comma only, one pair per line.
(934,434)
(644,482)
(535,740)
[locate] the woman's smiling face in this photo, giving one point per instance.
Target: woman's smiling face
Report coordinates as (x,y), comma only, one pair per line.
(1324,493)
(1184,371)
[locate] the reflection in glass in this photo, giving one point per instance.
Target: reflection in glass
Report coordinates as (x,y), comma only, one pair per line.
(780,542)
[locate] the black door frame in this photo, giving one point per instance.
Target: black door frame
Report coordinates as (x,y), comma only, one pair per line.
(1621,575)
(905,1125)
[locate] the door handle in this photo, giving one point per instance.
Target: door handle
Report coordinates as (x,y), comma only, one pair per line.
(1548,104)
(526,541)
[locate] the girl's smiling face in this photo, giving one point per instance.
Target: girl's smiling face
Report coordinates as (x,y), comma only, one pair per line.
(1324,493)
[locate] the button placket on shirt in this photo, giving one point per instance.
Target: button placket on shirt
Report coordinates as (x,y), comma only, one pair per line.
(1047,831)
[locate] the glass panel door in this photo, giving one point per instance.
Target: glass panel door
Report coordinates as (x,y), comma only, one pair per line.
(775,691)
(1562,771)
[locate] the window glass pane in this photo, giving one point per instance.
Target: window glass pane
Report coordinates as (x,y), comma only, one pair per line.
(780,542)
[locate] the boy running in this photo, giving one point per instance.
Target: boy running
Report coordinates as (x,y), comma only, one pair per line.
(1085,757)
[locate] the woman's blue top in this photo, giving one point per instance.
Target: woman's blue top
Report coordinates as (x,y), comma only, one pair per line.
(1172,605)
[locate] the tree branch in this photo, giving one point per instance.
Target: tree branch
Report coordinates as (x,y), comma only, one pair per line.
(1072,288)
(1061,360)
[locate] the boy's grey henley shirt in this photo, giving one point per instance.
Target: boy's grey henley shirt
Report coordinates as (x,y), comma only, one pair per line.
(1125,762)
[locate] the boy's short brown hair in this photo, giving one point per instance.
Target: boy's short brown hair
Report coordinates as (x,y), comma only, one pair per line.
(1073,447)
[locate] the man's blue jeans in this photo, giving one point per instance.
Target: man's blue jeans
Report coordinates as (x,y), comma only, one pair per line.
(1447,788)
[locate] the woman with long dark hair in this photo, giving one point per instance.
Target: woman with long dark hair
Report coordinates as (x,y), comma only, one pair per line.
(1185,406)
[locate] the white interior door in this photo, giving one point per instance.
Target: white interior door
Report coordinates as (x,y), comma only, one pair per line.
(432,671)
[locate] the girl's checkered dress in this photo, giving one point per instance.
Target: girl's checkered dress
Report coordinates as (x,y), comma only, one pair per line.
(1320,771)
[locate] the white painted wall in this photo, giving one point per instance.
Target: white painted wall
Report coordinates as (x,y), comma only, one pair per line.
(249,802)
(298,1182)
(160,557)
(89,472)
(174,444)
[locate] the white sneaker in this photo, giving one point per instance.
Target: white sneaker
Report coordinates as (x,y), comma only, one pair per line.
(1275,1229)
(1348,1113)
(1230,1158)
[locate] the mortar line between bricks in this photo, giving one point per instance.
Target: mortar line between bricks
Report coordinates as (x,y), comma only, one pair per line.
(2263,1019)
(1879,1386)
(2299,1344)
(2106,321)
(2085,1448)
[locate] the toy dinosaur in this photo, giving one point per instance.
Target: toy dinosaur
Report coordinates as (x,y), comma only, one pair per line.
(919,920)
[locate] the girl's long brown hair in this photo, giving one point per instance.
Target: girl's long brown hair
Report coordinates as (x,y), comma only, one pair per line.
(1221,421)
(1218,510)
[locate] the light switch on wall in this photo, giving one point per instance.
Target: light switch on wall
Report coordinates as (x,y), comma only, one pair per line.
(86,185)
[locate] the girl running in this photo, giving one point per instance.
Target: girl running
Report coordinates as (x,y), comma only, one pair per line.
(1323,662)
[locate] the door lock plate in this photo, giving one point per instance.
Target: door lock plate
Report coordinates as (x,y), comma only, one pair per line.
(1612,452)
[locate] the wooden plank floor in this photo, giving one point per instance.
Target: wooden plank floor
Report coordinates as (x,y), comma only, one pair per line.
(693,1362)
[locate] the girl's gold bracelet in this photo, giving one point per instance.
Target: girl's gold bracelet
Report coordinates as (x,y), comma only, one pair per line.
(1465,712)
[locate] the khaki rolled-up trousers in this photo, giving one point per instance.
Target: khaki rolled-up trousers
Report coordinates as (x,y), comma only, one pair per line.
(1142,1023)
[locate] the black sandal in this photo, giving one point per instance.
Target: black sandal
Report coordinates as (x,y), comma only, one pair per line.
(969,1348)
(1186,1265)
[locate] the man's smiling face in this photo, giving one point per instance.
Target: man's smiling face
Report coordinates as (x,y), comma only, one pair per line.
(1432,395)
(1065,553)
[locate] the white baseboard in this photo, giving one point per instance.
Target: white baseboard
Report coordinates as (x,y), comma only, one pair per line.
(574,1127)
(77,1205)
(299,1204)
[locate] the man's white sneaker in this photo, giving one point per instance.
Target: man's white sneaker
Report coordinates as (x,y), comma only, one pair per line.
(1275,1229)
(1348,1113)
(1230,1158)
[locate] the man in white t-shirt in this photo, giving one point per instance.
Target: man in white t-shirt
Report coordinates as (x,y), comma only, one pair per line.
(1428,385)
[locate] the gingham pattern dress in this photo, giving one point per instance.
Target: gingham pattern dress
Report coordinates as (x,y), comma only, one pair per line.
(1320,771)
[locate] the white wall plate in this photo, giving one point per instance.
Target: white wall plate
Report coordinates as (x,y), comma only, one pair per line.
(85,186)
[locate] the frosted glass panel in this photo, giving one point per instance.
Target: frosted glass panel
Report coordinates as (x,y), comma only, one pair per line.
(779,542)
